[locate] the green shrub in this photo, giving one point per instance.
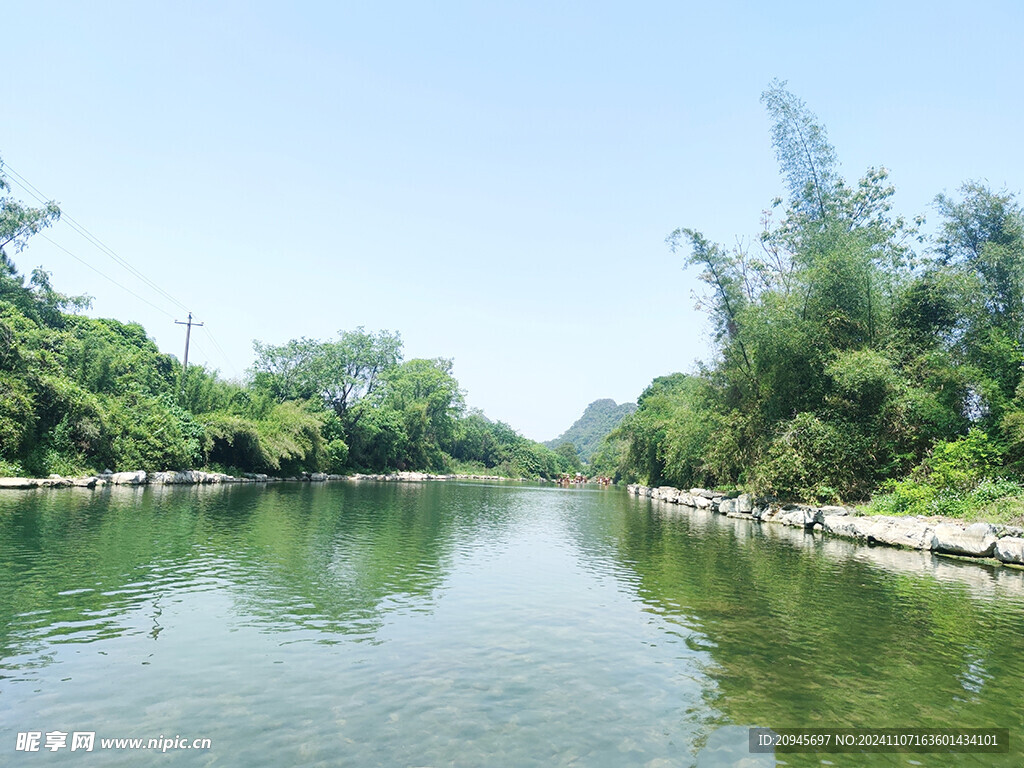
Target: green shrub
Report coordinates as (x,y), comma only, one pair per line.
(232,441)
(959,478)
(336,454)
(154,434)
(10,469)
(814,460)
(290,439)
(990,490)
(959,465)
(17,415)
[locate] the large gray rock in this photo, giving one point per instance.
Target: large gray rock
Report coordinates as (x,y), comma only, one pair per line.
(907,532)
(834,510)
(703,492)
(770,512)
(745,503)
(978,540)
(798,517)
(843,525)
(128,478)
(725,506)
(701,502)
(1010,550)
(666,493)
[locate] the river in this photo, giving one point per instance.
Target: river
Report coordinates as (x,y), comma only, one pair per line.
(475,624)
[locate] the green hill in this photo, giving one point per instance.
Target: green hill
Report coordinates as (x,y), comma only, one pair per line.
(590,429)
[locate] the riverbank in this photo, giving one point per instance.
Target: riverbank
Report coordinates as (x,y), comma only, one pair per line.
(1004,543)
(198,477)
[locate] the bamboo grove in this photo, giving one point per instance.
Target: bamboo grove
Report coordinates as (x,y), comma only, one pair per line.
(854,356)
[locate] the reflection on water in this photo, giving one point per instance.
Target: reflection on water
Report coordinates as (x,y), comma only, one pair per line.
(474,624)
(814,632)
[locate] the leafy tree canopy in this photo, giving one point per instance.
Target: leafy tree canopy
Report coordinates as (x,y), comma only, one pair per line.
(848,347)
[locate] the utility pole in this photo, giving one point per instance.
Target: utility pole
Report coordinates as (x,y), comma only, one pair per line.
(188,335)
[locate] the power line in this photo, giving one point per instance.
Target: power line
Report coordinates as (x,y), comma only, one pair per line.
(202,352)
(206,330)
(103,274)
(25,184)
(31,189)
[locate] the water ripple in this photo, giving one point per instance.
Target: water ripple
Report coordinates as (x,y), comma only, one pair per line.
(472,624)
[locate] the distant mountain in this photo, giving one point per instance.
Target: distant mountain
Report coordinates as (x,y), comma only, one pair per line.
(599,418)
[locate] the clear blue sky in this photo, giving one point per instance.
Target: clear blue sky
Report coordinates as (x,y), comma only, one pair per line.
(494,181)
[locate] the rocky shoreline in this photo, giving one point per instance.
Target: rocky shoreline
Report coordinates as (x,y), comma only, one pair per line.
(419,477)
(198,477)
(1004,543)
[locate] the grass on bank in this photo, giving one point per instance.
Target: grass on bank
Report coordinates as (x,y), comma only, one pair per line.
(992,500)
(964,479)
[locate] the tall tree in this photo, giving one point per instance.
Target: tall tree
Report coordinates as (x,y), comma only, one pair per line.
(984,232)
(982,243)
(427,396)
(340,373)
(804,329)
(807,159)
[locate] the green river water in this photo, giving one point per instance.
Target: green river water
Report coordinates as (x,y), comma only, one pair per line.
(474,624)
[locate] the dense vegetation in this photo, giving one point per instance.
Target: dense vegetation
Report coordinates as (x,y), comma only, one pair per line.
(589,431)
(851,351)
(79,394)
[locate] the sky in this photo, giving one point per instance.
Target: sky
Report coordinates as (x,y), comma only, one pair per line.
(494,181)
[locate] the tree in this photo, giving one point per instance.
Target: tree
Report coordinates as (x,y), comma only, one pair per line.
(356,366)
(429,400)
(653,457)
(474,440)
(985,233)
(340,373)
(802,148)
(981,249)
(18,222)
(833,366)
(569,458)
